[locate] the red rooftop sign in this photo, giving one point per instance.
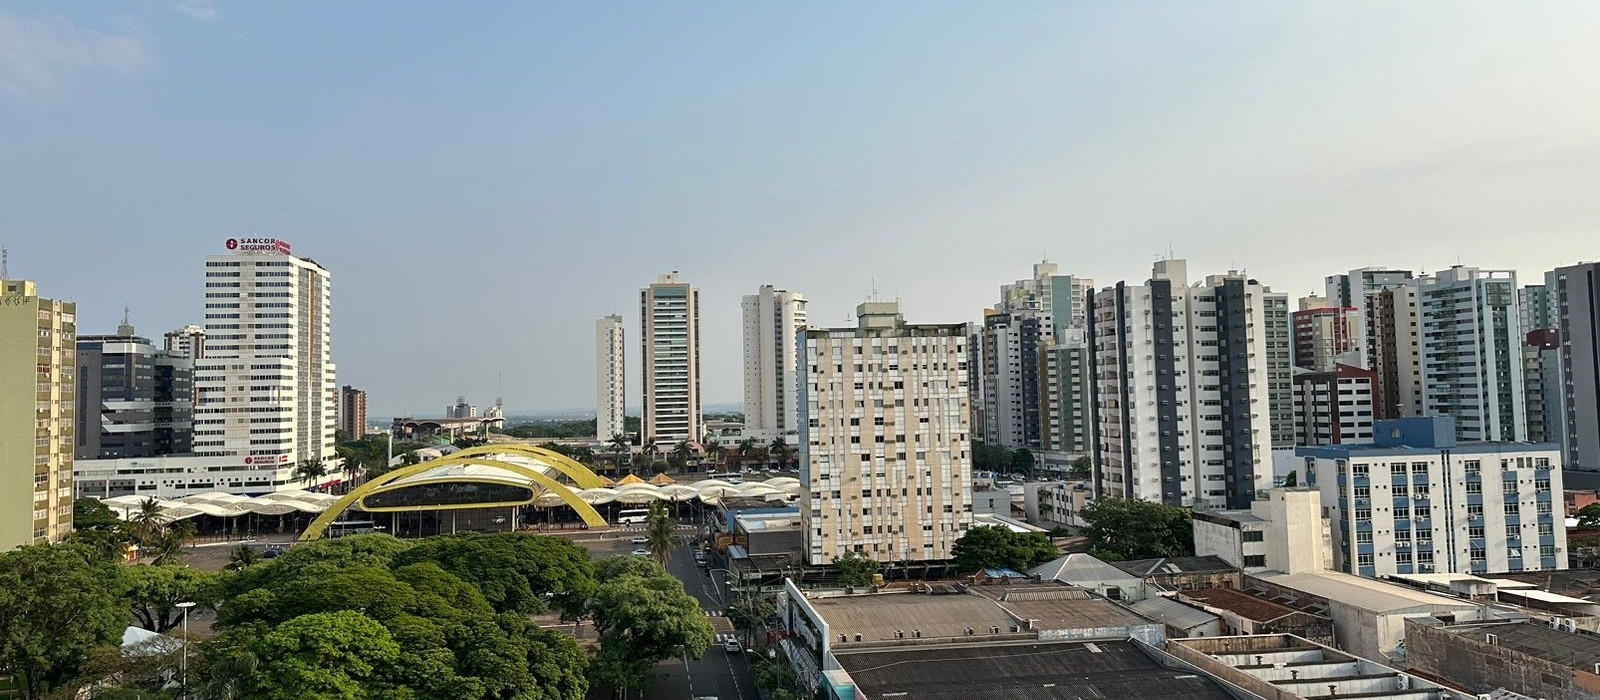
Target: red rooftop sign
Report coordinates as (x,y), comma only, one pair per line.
(258,245)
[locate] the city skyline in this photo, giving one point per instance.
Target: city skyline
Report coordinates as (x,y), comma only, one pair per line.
(757,153)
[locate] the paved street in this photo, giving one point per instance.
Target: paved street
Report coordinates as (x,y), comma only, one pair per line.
(719,674)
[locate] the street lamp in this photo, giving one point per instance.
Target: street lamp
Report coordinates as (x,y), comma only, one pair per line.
(183,685)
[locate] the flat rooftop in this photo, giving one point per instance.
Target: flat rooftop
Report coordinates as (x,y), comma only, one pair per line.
(878,617)
(1167,566)
(1572,649)
(1025,671)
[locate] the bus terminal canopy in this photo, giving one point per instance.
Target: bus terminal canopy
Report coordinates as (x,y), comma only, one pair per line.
(500,476)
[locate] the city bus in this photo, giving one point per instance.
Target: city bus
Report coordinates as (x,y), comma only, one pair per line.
(633,516)
(351,527)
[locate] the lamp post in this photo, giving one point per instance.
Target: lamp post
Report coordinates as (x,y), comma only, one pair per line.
(183,684)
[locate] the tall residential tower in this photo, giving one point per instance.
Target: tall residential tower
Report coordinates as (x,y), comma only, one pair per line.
(37,387)
(610,382)
(772,317)
(669,312)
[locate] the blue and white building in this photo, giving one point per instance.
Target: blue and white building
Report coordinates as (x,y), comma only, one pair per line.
(1415,501)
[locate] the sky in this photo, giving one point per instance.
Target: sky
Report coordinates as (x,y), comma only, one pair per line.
(486,179)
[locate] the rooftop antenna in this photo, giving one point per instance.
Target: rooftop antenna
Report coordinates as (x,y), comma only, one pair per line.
(5,263)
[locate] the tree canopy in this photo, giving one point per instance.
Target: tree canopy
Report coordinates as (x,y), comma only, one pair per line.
(1000,548)
(57,603)
(1589,516)
(643,616)
(514,571)
(855,569)
(1133,529)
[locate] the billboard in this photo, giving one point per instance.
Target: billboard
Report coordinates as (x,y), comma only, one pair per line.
(258,245)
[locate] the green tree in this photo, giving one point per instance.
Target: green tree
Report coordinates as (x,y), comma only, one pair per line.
(311,471)
(1021,462)
(155,591)
(1082,468)
(337,655)
(779,451)
(1135,529)
(514,570)
(166,545)
(1589,517)
(1292,480)
(56,604)
(749,613)
(553,661)
(1000,548)
(242,556)
(989,458)
(661,532)
(643,620)
(146,523)
(855,569)
(95,526)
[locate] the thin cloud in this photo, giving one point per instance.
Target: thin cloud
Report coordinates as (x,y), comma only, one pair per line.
(40,57)
(200,10)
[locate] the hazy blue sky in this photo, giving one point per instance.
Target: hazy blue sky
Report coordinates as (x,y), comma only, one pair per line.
(485,179)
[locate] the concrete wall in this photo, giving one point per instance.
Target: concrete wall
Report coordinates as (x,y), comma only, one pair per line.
(1220,540)
(1155,635)
(1467,659)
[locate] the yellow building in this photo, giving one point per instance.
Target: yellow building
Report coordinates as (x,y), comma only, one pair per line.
(37,391)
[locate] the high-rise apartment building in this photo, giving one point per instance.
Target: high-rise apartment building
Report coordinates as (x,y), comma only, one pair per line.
(772,317)
(1280,367)
(268,395)
(1066,391)
(610,380)
(1031,313)
(885,451)
(1358,289)
(352,412)
(1541,362)
(133,399)
(669,313)
(37,387)
(1182,389)
(1325,335)
(1472,352)
(461,408)
(189,341)
(1577,304)
(1334,408)
(1394,351)
(1415,501)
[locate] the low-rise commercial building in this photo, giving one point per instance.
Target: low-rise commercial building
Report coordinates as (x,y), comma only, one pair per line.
(1531,658)
(1286,667)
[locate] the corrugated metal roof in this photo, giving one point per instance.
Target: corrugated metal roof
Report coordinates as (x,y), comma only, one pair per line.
(1172,613)
(1080,567)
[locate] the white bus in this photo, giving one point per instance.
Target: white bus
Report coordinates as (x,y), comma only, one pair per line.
(633,516)
(351,527)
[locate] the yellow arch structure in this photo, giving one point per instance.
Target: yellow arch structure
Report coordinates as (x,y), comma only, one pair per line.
(575,470)
(590,516)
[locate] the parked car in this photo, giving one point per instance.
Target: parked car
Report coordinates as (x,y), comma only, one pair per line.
(640,540)
(272,552)
(641,552)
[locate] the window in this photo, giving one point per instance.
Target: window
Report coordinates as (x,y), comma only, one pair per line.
(1471,466)
(1364,559)
(1402,514)
(1402,557)
(1253,536)
(1474,488)
(1364,538)
(1474,510)
(1358,469)
(1363,492)
(1513,532)
(1478,554)
(1363,515)
(1419,467)
(1421,492)
(1254,560)
(1546,530)
(1401,491)
(1511,510)
(1475,532)
(1542,485)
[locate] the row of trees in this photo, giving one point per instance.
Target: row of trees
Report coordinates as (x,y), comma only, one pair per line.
(366,616)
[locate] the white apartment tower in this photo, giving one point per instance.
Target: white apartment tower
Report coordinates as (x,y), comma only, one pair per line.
(1183,389)
(1032,313)
(772,317)
(268,399)
(885,451)
(1471,352)
(610,390)
(669,312)
(188,341)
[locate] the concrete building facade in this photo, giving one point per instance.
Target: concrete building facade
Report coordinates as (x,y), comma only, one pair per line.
(1359,289)
(1472,352)
(669,311)
(1065,395)
(610,378)
(133,399)
(1032,313)
(885,448)
(1325,335)
(38,382)
(353,412)
(1394,351)
(1182,409)
(772,317)
(1416,501)
(268,394)
(1577,303)
(1334,407)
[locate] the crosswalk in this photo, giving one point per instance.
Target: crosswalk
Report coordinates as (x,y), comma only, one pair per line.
(722,638)
(712,613)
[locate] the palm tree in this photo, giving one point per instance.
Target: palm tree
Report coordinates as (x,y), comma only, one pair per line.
(747,447)
(619,447)
(147,523)
(167,547)
(714,449)
(683,452)
(661,532)
(311,470)
(352,471)
(228,676)
(652,450)
(241,557)
(780,448)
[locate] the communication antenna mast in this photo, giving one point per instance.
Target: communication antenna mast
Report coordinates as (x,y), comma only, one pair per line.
(5,263)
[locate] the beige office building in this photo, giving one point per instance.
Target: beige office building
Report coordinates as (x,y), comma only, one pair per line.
(38,351)
(670,314)
(885,444)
